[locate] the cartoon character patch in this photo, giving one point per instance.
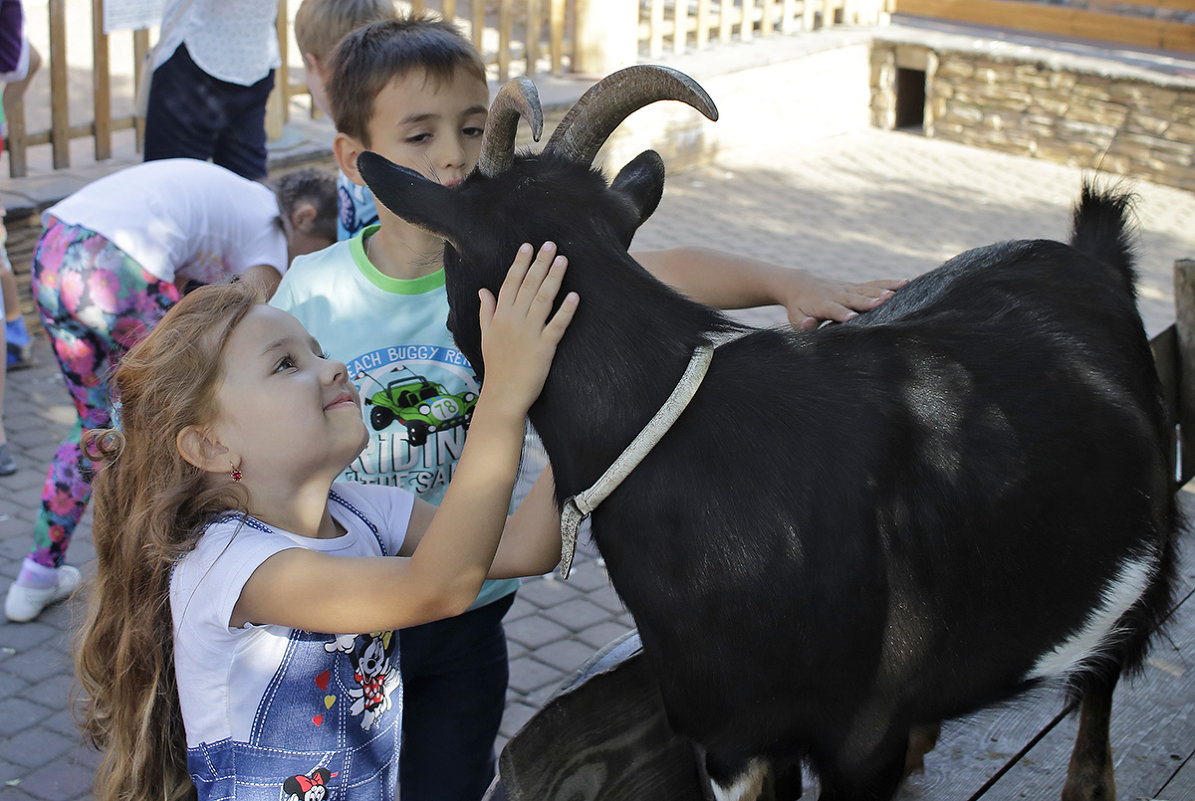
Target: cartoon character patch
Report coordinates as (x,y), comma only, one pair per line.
(375,671)
(377,676)
(308,788)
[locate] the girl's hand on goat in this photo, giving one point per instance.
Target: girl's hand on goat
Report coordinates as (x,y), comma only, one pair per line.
(809,299)
(518,340)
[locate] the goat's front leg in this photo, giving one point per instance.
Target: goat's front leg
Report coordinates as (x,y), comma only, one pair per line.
(1089,777)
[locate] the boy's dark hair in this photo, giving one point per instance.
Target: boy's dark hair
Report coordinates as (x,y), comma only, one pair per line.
(316,187)
(369,58)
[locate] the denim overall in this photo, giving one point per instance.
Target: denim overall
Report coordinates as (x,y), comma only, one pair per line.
(327,727)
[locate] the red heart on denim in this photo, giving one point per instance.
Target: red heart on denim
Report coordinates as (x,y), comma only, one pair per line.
(321,680)
(318,720)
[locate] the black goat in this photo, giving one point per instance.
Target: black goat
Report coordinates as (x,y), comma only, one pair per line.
(853,531)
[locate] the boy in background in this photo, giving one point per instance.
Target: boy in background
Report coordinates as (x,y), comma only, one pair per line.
(415,91)
(319,27)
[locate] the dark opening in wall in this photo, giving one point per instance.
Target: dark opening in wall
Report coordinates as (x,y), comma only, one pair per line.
(910,99)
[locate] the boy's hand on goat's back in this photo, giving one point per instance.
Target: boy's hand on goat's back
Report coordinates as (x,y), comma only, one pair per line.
(810,299)
(518,340)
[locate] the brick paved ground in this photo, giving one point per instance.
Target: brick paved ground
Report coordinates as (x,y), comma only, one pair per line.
(862,205)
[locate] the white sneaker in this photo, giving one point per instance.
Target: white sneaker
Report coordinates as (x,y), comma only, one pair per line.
(25,603)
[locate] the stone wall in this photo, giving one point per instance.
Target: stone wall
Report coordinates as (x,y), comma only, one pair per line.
(1075,111)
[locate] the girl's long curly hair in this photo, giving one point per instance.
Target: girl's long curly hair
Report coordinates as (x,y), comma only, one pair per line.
(150,509)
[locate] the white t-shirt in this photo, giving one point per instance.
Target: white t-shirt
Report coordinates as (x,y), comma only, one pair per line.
(182,219)
(233,40)
(223,672)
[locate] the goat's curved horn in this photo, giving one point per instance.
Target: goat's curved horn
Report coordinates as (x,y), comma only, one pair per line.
(591,120)
(518,98)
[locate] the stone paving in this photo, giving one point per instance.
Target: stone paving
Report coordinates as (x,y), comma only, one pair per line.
(860,205)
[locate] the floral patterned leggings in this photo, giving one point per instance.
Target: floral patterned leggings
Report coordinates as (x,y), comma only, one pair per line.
(95,302)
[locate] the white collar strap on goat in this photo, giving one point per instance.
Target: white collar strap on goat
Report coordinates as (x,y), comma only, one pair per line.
(579,506)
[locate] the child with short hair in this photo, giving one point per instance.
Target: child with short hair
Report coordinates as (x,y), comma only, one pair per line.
(319,27)
(244,609)
(414,90)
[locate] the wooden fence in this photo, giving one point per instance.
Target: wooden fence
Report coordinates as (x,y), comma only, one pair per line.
(698,23)
(514,36)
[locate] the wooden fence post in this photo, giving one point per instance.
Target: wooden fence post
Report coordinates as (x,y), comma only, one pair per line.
(607,36)
(278,103)
(101,83)
(59,88)
(1184,307)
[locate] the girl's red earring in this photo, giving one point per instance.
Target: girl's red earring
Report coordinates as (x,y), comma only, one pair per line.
(236,473)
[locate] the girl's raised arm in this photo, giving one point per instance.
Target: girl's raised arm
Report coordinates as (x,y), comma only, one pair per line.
(452,557)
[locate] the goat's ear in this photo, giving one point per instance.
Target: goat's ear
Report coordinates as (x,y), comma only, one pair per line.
(642,182)
(407,194)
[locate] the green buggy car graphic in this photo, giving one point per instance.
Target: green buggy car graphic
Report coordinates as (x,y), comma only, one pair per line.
(421,406)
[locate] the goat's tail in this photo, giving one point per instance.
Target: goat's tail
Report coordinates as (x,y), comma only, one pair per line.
(1104,229)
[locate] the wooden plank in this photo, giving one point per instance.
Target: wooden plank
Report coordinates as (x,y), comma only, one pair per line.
(1176,5)
(15,142)
(765,18)
(1166,360)
(1182,784)
(788,16)
(101,83)
(655,27)
(556,34)
(680,26)
(140,48)
(808,13)
(1118,28)
(702,38)
(1057,21)
(1001,13)
(80,130)
(59,87)
(1184,308)
(531,37)
(448,10)
(277,105)
(747,28)
(477,7)
(724,20)
(505,27)
(1178,36)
